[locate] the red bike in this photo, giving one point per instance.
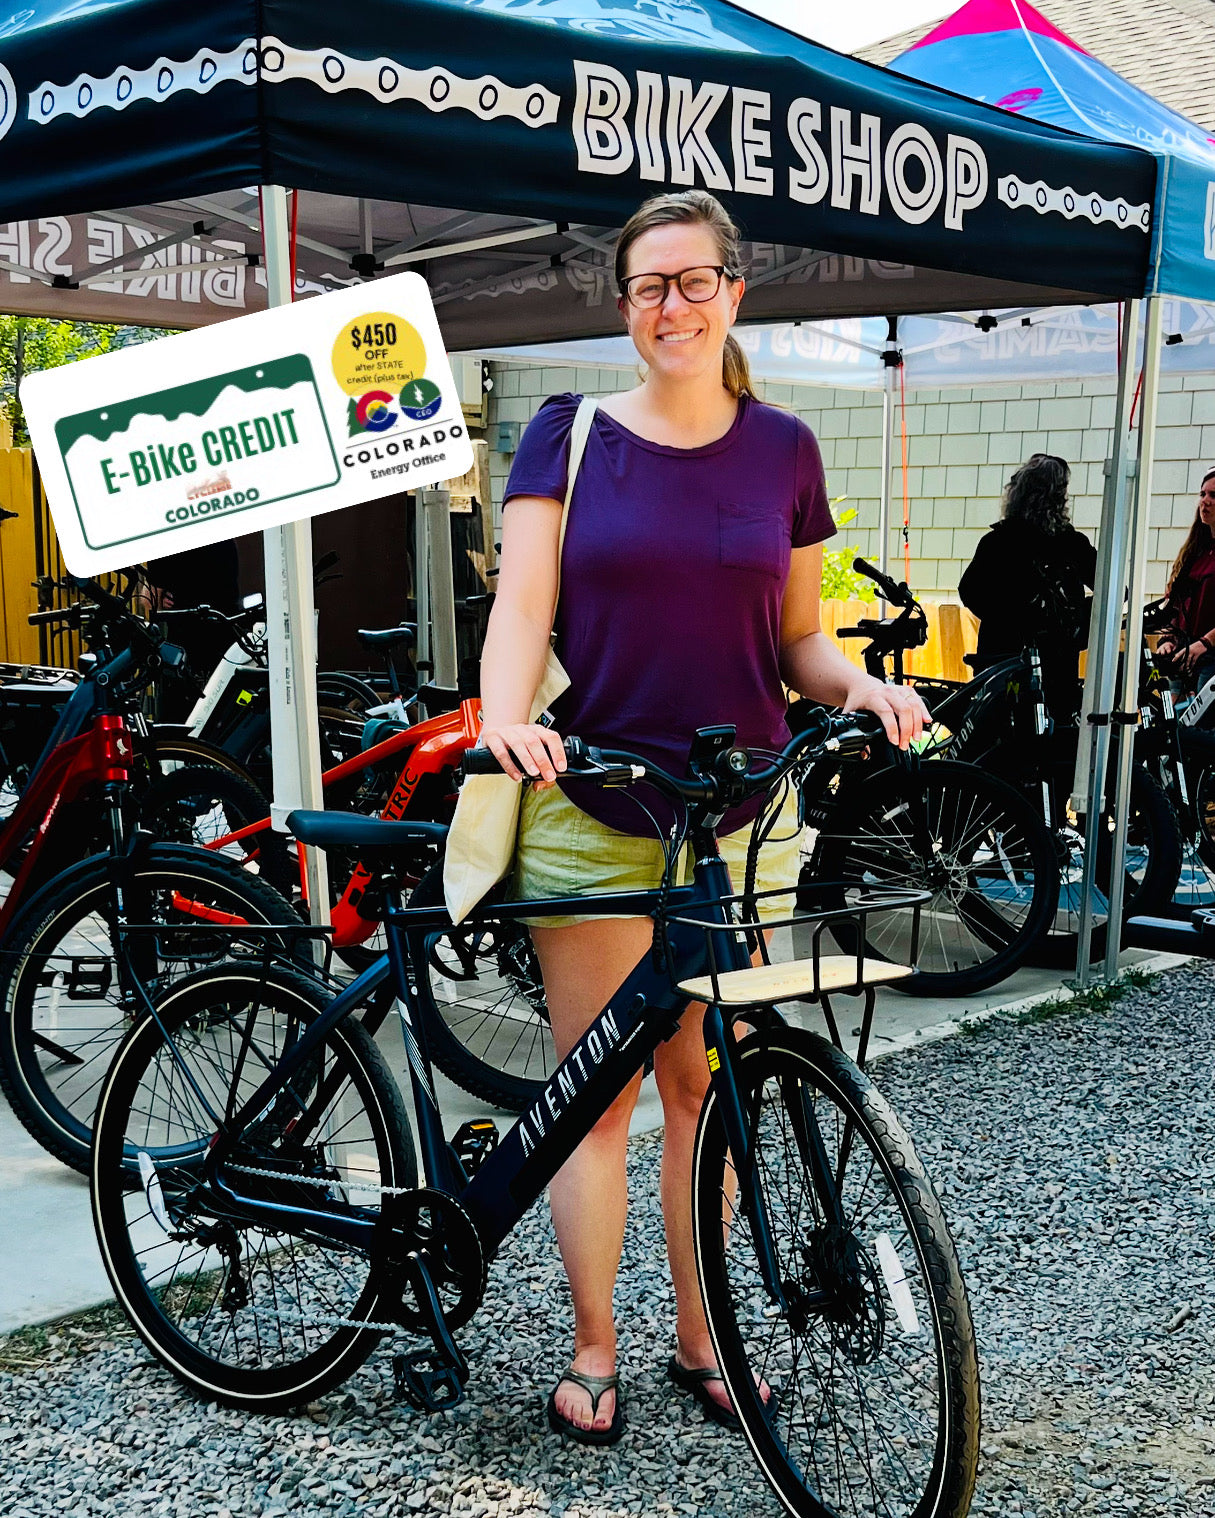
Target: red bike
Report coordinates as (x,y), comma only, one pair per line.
(79,931)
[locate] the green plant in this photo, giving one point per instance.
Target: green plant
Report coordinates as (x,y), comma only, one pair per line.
(840,581)
(31,343)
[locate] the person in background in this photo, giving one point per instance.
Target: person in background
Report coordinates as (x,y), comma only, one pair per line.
(1028,579)
(1187,647)
(207,576)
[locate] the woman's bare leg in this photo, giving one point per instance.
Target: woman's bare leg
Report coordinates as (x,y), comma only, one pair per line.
(683,1078)
(582,965)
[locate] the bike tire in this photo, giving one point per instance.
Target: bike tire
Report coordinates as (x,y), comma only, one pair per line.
(346,692)
(198,1293)
(875,1344)
(1153,871)
(171,752)
(197,804)
(482,1007)
(984,853)
(51,1073)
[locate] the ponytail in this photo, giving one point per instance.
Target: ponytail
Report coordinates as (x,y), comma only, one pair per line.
(736,371)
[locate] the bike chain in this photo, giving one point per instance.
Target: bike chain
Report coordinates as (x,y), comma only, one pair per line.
(323,1320)
(310,1180)
(326,1320)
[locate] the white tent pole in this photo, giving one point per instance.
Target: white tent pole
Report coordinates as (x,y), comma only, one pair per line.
(1105,628)
(291,616)
(421,586)
(435,505)
(1141,521)
(888,383)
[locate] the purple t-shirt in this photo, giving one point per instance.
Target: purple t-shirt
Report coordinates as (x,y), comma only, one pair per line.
(672,577)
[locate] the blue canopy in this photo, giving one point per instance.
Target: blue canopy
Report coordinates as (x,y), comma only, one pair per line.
(496,143)
(1007,53)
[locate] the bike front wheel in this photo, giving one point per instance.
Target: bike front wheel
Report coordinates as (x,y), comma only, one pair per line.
(869,1349)
(247,1312)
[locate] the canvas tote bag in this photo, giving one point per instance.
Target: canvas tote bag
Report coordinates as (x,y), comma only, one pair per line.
(481,841)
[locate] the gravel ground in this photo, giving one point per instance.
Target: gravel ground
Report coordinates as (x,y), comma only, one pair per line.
(1074,1156)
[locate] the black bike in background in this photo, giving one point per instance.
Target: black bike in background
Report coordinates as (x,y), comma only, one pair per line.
(257,1202)
(999,722)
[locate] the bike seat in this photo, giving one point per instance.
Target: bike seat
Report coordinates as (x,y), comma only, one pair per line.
(349,830)
(1172,934)
(388,637)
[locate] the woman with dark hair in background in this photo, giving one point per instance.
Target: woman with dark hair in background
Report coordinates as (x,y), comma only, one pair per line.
(1188,645)
(1028,578)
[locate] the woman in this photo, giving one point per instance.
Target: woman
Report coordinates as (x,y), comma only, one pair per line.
(1027,581)
(1189,643)
(689,590)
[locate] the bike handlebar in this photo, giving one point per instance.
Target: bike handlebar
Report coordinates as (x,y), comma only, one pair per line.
(894,592)
(840,734)
(55,614)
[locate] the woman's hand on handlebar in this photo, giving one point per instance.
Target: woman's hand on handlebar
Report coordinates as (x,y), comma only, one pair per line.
(900,709)
(538,750)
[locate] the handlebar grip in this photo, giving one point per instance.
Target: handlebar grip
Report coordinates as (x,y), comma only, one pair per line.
(480,761)
(851,632)
(55,614)
(896,594)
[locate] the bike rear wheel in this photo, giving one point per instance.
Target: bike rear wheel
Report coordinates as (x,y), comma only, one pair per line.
(247,1314)
(64,993)
(968,838)
(871,1355)
(482,999)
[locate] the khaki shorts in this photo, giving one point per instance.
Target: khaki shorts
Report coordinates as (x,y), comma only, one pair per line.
(562,851)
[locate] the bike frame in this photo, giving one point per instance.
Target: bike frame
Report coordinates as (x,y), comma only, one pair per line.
(644,1012)
(430,747)
(89,746)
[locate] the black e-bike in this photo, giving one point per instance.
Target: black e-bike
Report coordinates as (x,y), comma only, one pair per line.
(257,1203)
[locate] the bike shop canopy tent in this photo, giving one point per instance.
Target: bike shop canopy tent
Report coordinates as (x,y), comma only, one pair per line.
(493,143)
(1007,53)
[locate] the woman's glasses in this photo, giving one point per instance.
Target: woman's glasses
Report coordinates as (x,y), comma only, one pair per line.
(645,291)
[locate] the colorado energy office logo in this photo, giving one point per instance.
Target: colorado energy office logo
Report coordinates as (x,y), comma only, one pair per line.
(380,362)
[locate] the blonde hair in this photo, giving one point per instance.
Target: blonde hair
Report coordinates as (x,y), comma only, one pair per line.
(695,208)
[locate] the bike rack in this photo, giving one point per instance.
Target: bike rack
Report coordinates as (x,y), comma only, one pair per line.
(814,979)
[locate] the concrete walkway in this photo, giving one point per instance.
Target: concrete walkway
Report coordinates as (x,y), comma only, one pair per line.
(49,1264)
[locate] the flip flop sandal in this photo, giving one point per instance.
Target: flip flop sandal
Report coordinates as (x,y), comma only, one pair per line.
(594,1387)
(695,1383)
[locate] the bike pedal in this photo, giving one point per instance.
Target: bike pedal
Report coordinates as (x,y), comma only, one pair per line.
(474,1142)
(89,979)
(430,1387)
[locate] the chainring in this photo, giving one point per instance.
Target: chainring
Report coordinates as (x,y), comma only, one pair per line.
(437,1226)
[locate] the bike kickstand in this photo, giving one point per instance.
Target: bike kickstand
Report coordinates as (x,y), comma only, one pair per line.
(431,1379)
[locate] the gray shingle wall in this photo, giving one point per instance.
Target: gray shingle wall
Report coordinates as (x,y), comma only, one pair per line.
(962,446)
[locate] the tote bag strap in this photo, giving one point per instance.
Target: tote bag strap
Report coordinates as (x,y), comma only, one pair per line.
(584,419)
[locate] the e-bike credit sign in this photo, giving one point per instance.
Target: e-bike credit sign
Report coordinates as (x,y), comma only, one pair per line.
(270,417)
